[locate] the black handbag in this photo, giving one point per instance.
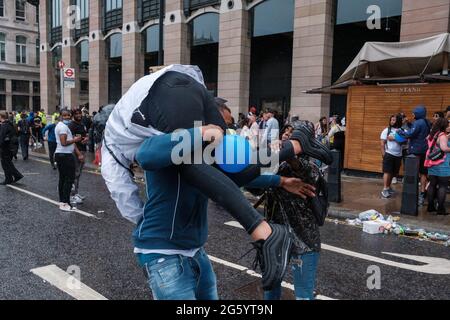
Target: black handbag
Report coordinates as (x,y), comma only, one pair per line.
(435,152)
(320,203)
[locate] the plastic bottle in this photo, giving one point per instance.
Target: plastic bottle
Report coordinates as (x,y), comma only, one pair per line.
(367,215)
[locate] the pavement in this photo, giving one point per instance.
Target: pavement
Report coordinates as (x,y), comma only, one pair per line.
(44,249)
(358,194)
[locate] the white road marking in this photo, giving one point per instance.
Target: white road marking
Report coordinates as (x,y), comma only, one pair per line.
(96,172)
(438,266)
(84,170)
(65,282)
(234,224)
(50,201)
(255,274)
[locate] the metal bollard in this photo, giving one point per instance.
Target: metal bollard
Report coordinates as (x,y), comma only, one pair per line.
(410,195)
(334,178)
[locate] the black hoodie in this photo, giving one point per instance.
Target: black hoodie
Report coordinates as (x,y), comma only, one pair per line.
(8,137)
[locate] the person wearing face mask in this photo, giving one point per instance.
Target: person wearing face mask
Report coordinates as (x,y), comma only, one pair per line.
(78,129)
(65,153)
(8,147)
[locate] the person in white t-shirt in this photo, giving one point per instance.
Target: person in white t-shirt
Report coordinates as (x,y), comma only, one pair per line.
(392,152)
(64,156)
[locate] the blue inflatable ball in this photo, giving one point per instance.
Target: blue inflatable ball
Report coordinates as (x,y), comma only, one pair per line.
(233,154)
(399,138)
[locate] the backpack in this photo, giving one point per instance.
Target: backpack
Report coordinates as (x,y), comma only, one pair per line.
(434,156)
(24,127)
(320,203)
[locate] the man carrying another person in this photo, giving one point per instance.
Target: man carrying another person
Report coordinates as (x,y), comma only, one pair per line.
(172,230)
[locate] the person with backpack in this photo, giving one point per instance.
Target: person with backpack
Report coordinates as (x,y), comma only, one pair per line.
(391,151)
(417,136)
(8,147)
(304,217)
(24,132)
(438,164)
(51,141)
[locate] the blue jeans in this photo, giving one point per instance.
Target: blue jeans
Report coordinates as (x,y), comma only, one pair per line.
(180,278)
(304,268)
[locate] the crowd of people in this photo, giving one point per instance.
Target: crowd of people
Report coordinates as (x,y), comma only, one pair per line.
(171,225)
(428,141)
(69,135)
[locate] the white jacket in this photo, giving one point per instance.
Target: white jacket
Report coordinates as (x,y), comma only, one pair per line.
(124,138)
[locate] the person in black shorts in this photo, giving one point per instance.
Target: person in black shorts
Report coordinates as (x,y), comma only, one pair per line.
(392,153)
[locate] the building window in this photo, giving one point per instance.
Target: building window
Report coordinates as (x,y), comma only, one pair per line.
(84,86)
(191,5)
(113,15)
(2,9)
(349,11)
(36,87)
(2,102)
(272,17)
(115,45)
(20,10)
(151,45)
(271,55)
(21,49)
(205,29)
(2,47)
(83,55)
(56,13)
(152,39)
(2,96)
(205,47)
(38,52)
(36,104)
(113,4)
(21,86)
(83,6)
(20,103)
(150,9)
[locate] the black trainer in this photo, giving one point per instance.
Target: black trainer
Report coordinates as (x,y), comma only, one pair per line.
(273,255)
(304,133)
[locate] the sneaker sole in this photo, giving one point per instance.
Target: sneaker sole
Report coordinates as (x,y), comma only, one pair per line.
(285,258)
(313,148)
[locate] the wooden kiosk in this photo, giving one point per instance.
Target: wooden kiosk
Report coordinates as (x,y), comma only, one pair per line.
(386,78)
(369,108)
